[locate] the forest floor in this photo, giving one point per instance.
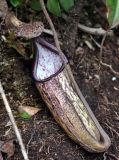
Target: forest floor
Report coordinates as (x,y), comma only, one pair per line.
(42,136)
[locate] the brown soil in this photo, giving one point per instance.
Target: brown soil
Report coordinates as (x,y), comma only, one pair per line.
(44,138)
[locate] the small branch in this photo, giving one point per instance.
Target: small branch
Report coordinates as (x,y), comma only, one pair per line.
(53,30)
(101,48)
(100,58)
(90,46)
(110,67)
(94,31)
(34,129)
(9,111)
(112,155)
(112,129)
(48,31)
(97,44)
(104,156)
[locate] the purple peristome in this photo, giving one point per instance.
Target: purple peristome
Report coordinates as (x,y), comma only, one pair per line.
(47,61)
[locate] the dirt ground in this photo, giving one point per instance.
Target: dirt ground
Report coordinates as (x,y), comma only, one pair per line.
(43,137)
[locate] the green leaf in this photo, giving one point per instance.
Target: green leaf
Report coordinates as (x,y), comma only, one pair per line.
(113,12)
(15,3)
(67,4)
(35,5)
(54,7)
(25,115)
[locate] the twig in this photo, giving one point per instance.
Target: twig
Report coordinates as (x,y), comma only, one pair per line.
(53,30)
(34,129)
(100,58)
(94,31)
(104,156)
(9,111)
(110,67)
(48,31)
(112,129)
(90,46)
(97,44)
(101,47)
(112,155)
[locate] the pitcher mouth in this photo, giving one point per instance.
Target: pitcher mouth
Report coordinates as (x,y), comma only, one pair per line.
(47,62)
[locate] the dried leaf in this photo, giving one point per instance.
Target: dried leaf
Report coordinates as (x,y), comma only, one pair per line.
(8,132)
(9,123)
(20,48)
(27,110)
(8,147)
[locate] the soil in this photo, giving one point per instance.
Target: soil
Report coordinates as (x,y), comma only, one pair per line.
(43,137)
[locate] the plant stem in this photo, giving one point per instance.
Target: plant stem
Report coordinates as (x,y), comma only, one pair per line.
(9,111)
